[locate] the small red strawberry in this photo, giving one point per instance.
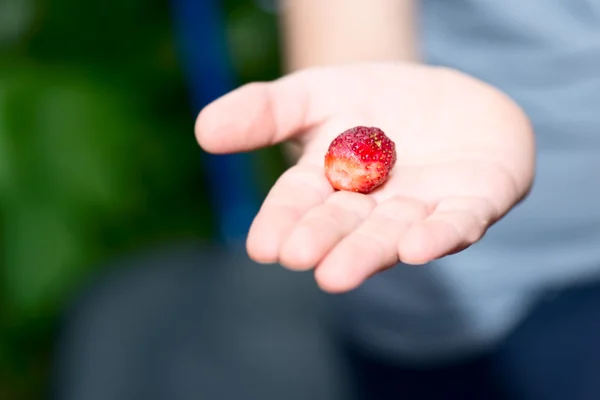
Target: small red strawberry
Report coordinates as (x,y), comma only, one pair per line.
(360,159)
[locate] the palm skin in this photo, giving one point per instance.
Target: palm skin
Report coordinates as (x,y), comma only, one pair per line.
(465,157)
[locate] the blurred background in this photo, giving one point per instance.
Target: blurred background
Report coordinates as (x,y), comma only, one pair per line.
(97,154)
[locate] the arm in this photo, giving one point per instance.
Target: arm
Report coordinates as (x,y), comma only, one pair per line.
(318,32)
(326,32)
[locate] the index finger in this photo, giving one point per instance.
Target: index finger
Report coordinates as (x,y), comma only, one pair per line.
(299,189)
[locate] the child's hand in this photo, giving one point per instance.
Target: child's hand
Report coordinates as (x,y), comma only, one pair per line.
(465,158)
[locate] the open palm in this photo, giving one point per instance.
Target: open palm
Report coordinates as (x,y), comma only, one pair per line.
(465,157)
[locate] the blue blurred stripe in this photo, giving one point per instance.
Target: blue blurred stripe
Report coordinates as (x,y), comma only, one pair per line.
(200,26)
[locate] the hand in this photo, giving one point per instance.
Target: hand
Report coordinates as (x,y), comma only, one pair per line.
(465,158)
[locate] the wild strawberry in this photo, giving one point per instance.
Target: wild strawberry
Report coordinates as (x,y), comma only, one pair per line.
(360,159)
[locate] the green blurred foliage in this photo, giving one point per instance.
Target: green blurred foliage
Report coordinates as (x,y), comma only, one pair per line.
(97,154)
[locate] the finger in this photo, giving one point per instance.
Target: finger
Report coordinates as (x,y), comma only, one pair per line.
(299,189)
(454,225)
(321,228)
(371,247)
(261,114)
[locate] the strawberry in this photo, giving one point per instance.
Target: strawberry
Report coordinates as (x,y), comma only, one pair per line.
(360,159)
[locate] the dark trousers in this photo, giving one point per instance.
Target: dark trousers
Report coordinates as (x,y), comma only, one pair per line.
(553,355)
(195,322)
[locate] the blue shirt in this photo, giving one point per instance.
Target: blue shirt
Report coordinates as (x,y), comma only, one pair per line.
(546,55)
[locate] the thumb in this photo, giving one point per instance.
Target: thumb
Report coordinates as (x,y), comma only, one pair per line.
(259,114)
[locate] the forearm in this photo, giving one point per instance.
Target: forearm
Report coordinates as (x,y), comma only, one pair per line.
(329,32)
